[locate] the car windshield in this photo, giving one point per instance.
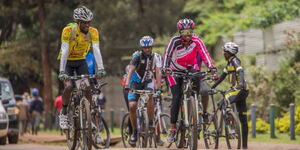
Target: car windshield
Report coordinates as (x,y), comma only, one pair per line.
(5,91)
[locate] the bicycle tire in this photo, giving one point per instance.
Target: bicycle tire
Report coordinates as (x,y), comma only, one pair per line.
(72,132)
(125,131)
(87,125)
(181,130)
(232,121)
(211,134)
(106,140)
(144,130)
(162,133)
(193,134)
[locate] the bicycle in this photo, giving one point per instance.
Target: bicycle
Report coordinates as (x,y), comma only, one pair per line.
(142,122)
(126,130)
(224,114)
(100,131)
(79,133)
(189,120)
(162,121)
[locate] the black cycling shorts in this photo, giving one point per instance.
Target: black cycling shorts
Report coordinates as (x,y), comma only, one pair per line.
(76,67)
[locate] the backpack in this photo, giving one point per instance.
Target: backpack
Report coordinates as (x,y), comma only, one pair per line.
(72,38)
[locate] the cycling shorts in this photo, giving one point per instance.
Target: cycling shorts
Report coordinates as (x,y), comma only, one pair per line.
(139,86)
(76,67)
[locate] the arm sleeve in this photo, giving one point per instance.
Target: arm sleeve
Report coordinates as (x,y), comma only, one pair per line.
(64,56)
(223,76)
(204,55)
(135,60)
(169,51)
(97,54)
(240,72)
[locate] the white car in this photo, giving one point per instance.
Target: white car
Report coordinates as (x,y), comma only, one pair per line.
(3,123)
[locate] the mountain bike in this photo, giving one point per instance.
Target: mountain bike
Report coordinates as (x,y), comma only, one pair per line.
(162,122)
(223,117)
(126,130)
(188,124)
(79,133)
(100,131)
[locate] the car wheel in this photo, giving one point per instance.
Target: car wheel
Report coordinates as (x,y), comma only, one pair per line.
(3,140)
(13,139)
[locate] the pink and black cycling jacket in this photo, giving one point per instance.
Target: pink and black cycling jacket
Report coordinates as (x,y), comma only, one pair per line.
(178,58)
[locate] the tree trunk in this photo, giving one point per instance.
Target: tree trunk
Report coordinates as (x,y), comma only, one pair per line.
(47,86)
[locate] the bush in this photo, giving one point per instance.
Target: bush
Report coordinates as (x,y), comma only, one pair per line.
(283,124)
(261,126)
(298,129)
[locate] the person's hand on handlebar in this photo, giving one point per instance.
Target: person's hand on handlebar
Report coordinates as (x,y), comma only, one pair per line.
(166,71)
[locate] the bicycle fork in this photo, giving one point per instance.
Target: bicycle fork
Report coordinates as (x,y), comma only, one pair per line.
(185,106)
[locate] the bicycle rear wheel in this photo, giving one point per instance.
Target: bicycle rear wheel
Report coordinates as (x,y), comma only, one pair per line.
(126,130)
(72,132)
(232,131)
(161,130)
(144,130)
(192,134)
(101,134)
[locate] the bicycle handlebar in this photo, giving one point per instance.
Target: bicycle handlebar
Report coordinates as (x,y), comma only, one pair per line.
(81,77)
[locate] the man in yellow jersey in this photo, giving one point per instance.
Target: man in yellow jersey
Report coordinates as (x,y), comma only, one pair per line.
(76,41)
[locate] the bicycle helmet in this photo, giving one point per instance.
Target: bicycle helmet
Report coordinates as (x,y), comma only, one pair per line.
(231,48)
(83,14)
(184,24)
(35,91)
(146,41)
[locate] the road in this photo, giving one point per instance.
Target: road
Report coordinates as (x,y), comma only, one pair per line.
(252,145)
(31,147)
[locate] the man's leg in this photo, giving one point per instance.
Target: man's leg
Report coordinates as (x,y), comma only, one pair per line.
(63,118)
(132,114)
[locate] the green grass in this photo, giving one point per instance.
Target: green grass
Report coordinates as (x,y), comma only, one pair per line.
(280,138)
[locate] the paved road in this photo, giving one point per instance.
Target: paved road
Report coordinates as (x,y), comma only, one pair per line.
(31,147)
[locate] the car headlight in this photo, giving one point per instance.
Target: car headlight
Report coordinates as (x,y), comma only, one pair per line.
(3,116)
(12,111)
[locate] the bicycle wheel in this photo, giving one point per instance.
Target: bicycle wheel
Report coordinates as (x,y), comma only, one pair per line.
(143,121)
(161,130)
(181,130)
(152,140)
(232,131)
(210,135)
(101,134)
(72,132)
(87,125)
(192,134)
(126,130)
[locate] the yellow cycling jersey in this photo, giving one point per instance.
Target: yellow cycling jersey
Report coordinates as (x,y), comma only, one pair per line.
(79,43)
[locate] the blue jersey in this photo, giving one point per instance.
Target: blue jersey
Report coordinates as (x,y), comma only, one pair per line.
(91,63)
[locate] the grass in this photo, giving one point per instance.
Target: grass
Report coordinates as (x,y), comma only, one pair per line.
(280,138)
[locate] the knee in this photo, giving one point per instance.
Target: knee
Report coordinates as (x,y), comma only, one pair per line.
(68,87)
(132,106)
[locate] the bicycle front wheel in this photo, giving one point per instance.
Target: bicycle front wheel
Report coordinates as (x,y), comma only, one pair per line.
(126,130)
(232,131)
(101,134)
(193,134)
(87,140)
(72,132)
(161,130)
(143,122)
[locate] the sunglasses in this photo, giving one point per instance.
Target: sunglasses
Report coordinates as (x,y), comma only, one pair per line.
(186,32)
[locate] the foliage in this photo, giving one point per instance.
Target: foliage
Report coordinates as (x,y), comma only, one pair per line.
(261,126)
(224,18)
(283,124)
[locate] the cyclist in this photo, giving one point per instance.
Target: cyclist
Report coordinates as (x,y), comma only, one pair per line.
(239,91)
(185,52)
(141,76)
(76,41)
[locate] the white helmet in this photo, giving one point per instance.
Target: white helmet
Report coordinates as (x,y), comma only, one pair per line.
(231,48)
(83,14)
(146,41)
